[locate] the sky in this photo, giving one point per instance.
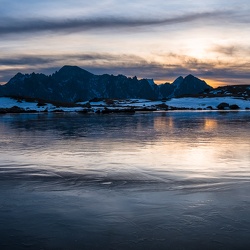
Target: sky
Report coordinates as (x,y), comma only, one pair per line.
(156,39)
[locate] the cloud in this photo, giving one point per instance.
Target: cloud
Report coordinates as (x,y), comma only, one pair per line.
(225,50)
(23,60)
(231,50)
(15,26)
(48,64)
(89,58)
(129,65)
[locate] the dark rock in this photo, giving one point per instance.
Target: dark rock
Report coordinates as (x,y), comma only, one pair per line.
(108,111)
(223,105)
(41,104)
(87,105)
(58,111)
(145,109)
(3,111)
(162,106)
(109,101)
(83,111)
(234,107)
(15,109)
(29,111)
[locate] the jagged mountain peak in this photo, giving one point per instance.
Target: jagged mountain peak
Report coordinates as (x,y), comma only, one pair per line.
(191,79)
(73,84)
(68,69)
(178,81)
(18,77)
(189,85)
(187,79)
(190,76)
(19,74)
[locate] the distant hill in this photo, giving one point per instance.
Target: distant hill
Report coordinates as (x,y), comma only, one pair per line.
(242,91)
(73,84)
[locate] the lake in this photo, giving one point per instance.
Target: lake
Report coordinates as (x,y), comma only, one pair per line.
(160,180)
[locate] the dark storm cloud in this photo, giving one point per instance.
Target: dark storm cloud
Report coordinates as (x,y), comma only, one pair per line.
(90,58)
(15,26)
(23,60)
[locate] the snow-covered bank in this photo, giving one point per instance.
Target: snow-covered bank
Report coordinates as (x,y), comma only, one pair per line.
(203,103)
(35,106)
(7,104)
(185,103)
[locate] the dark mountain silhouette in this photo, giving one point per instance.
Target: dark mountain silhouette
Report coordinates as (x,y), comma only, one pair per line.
(73,84)
(189,85)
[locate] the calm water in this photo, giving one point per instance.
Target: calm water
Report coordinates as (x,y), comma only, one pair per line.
(175,180)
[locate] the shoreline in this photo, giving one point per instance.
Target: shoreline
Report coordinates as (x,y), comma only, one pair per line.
(107,106)
(125,112)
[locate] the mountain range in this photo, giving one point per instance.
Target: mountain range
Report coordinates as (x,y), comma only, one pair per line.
(73,84)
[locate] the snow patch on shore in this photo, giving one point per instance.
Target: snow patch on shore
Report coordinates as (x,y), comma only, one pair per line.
(205,102)
(185,103)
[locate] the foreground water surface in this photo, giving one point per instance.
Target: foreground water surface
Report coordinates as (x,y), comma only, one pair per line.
(173,180)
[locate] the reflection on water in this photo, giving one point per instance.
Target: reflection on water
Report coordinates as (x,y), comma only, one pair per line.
(173,180)
(210,124)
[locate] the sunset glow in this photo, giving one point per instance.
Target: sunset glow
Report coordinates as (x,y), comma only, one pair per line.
(160,40)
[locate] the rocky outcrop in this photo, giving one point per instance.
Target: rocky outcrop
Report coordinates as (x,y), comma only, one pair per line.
(223,106)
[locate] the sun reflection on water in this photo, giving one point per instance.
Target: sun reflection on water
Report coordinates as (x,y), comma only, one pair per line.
(163,122)
(210,124)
